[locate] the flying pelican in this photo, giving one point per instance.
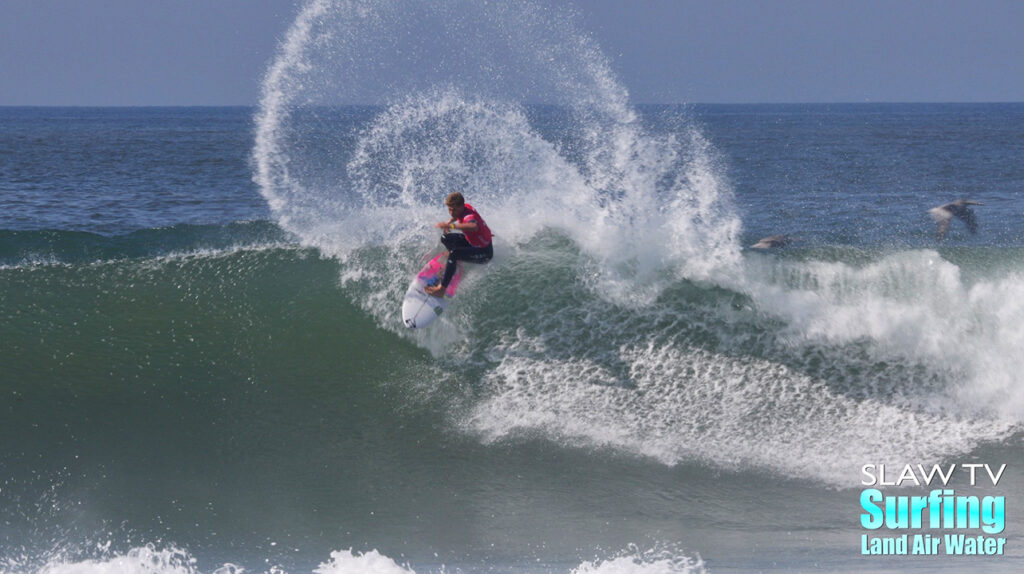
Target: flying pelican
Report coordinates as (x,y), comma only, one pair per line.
(943,214)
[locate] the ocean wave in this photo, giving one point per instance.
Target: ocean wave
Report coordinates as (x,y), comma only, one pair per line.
(619,311)
(153,559)
(53,247)
(807,361)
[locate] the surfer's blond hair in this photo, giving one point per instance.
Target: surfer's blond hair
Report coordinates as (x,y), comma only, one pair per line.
(455,199)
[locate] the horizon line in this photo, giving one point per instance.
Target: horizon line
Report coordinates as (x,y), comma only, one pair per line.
(794,103)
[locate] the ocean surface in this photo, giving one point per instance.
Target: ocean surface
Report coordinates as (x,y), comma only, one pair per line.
(203,368)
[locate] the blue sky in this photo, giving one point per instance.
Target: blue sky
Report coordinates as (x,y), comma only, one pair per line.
(214,52)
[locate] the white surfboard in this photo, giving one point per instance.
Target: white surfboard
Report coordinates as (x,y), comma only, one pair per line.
(420,309)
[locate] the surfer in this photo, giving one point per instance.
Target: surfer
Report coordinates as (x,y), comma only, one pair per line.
(943,214)
(473,244)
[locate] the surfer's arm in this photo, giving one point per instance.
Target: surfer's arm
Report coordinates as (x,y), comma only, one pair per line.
(465,226)
(454,226)
(469,224)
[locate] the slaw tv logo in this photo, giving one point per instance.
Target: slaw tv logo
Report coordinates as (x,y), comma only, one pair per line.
(914,524)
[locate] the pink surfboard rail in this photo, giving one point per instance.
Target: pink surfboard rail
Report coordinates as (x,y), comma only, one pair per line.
(433,272)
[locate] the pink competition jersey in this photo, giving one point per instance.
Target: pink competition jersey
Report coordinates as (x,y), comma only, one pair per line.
(482,236)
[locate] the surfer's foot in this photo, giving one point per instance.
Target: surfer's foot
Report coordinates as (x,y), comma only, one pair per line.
(434,290)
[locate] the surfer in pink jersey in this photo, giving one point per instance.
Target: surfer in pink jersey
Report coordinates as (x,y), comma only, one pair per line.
(473,244)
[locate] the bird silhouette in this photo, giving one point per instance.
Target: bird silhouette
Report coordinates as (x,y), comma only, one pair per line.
(959,209)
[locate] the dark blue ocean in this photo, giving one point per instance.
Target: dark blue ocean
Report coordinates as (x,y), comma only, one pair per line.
(203,367)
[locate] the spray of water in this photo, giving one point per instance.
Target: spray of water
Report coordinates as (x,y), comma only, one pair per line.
(772,360)
(455,119)
(154,560)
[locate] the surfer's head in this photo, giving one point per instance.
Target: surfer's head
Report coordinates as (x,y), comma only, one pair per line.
(456,203)
(455,199)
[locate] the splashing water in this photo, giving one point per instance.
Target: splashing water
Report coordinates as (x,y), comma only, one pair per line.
(644,327)
(456,121)
(152,560)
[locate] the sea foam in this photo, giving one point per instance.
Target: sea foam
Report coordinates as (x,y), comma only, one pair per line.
(151,559)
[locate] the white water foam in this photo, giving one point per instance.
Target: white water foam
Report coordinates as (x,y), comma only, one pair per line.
(664,559)
(372,562)
(685,405)
(893,361)
(147,559)
(913,307)
(152,560)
